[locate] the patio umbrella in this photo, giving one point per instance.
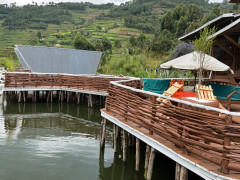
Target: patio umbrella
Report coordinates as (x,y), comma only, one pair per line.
(191,62)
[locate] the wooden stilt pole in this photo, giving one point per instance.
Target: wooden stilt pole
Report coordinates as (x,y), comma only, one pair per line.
(90,104)
(102,137)
(117,132)
(150,164)
(115,137)
(59,96)
(177,172)
(68,97)
(147,155)
(24,96)
(51,96)
(19,96)
(78,98)
(62,96)
(183,173)
(124,147)
(137,154)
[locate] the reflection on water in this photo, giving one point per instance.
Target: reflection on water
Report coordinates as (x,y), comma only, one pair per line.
(61,141)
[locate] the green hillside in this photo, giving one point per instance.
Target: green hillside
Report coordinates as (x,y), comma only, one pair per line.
(133,36)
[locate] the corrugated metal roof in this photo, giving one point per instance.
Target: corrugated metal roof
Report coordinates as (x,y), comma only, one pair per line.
(218,22)
(58,60)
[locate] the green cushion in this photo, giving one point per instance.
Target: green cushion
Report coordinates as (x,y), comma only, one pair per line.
(222,91)
(156,85)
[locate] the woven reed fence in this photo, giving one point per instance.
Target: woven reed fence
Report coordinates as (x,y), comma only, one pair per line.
(33,80)
(204,133)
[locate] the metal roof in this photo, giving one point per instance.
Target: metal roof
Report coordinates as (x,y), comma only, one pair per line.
(58,60)
(218,22)
(234,23)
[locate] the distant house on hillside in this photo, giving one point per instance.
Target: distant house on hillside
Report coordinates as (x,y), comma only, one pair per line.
(58,60)
(226,47)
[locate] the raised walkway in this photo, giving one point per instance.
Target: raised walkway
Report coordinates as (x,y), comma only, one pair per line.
(203,139)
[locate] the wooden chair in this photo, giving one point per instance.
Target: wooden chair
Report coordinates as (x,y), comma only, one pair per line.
(171,91)
(206,92)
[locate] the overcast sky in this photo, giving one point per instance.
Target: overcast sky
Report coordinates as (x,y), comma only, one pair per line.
(22,2)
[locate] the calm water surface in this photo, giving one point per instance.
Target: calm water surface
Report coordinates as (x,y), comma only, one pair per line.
(61,141)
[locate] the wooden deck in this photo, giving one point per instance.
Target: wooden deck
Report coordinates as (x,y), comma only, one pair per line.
(208,137)
(203,139)
(198,165)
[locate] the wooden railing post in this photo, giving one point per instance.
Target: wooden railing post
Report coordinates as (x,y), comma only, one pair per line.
(153,101)
(227,142)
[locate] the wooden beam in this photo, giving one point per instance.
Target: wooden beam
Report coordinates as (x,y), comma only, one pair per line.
(224,47)
(231,40)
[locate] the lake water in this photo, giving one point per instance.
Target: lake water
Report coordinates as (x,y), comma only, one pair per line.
(61,141)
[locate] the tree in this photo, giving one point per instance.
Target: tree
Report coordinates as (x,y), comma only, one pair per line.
(133,40)
(80,42)
(117,43)
(202,46)
(107,45)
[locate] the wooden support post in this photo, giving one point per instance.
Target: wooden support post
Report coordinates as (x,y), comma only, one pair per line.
(62,96)
(59,96)
(124,147)
(90,104)
(183,173)
(78,98)
(51,96)
(177,171)
(117,132)
(137,154)
(19,96)
(24,96)
(150,164)
(115,137)
(147,155)
(102,137)
(68,96)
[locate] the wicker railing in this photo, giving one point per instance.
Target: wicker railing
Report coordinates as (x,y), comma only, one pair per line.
(97,83)
(196,130)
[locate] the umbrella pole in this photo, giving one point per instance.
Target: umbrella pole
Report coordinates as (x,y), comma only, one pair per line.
(195,80)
